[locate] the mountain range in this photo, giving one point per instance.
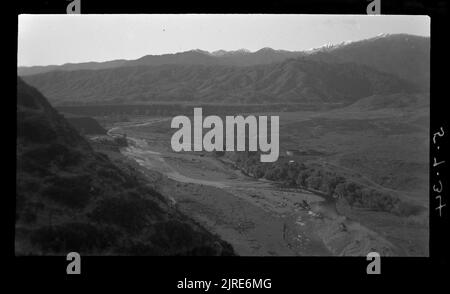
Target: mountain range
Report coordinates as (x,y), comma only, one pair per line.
(241,57)
(341,73)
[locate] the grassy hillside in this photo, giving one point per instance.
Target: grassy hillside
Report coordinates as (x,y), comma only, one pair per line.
(292,81)
(71,198)
(405,56)
(85,125)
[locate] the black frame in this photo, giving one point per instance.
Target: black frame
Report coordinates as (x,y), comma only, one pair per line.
(284,271)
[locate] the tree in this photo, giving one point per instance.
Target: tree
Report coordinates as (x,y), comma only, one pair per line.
(314,182)
(340,190)
(301,178)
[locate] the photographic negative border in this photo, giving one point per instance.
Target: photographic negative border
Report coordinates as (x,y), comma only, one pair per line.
(284,271)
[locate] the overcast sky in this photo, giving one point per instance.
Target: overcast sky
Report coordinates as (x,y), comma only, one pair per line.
(58,39)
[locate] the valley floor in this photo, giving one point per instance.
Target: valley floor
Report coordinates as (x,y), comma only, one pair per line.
(256,217)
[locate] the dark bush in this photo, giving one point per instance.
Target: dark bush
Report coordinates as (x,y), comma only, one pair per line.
(402,208)
(44,155)
(176,236)
(71,191)
(36,129)
(129,212)
(79,237)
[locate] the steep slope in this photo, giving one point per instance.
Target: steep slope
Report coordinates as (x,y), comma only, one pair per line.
(294,80)
(85,125)
(406,56)
(71,198)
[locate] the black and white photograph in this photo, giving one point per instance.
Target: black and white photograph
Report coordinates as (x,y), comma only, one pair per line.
(223,135)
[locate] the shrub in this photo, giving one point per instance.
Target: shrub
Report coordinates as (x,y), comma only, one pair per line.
(78,237)
(129,212)
(71,191)
(314,182)
(402,208)
(42,156)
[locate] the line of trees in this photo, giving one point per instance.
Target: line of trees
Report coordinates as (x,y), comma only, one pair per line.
(297,174)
